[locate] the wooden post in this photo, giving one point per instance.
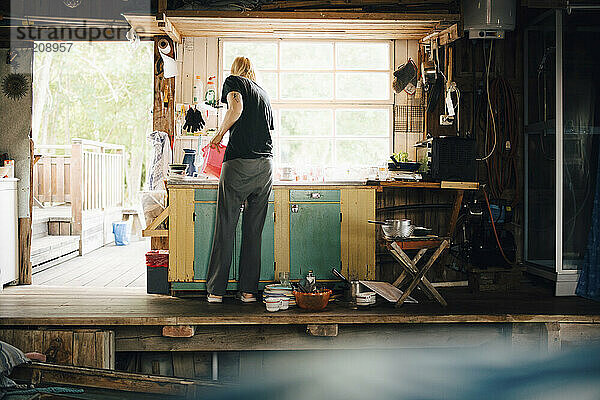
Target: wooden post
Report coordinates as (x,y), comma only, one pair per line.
(455,211)
(77,186)
(163,118)
(25,230)
(24,251)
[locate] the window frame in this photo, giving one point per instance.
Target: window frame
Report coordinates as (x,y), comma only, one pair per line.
(333,104)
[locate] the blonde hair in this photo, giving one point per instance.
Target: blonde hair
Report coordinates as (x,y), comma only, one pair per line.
(243,67)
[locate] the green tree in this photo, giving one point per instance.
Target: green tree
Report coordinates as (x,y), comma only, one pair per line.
(99,91)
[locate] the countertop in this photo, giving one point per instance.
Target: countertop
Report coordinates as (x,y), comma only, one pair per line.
(214,182)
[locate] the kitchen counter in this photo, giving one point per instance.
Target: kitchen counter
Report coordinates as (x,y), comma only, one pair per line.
(199,183)
(309,225)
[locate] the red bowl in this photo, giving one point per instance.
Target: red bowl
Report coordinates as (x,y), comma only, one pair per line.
(312,301)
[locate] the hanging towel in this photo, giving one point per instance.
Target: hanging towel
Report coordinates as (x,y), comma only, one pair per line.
(162,158)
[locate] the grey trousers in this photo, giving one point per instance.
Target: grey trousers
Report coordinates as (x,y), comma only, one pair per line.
(242,180)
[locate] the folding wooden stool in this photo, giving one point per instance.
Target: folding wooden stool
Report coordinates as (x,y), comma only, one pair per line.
(410,271)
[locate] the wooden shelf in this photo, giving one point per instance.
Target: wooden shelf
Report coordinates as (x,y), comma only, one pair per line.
(429,185)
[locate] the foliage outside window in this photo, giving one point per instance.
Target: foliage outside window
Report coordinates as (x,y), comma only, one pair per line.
(332,99)
(101,91)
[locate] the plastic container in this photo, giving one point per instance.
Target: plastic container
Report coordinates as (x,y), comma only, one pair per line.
(285,303)
(189,157)
(273,304)
(211,94)
(121,232)
(157,277)
(213,160)
(312,301)
(197,90)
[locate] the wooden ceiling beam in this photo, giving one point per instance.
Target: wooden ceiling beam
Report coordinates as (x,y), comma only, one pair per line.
(348,3)
(167,26)
(335,15)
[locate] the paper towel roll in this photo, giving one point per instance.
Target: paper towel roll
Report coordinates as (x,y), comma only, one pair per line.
(170,66)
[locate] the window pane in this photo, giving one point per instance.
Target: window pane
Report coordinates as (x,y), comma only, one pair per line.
(306,122)
(309,86)
(362,86)
(306,55)
(361,55)
(362,152)
(268,81)
(365,122)
(306,153)
(263,55)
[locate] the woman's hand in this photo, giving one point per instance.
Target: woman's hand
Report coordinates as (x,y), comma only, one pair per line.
(214,143)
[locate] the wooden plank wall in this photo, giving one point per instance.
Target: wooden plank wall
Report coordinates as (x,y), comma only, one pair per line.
(404,141)
(82,348)
(438,219)
(469,64)
(357,235)
(181,235)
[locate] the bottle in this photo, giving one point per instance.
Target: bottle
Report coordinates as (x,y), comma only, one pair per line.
(210,97)
(197,90)
(310,278)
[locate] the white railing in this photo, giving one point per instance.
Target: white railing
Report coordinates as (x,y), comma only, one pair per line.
(97,177)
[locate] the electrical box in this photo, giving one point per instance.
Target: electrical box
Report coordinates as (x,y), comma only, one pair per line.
(488,19)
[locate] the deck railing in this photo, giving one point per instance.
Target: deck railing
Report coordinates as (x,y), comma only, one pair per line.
(90,175)
(97,177)
(52,175)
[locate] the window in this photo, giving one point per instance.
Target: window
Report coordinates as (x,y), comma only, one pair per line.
(332,99)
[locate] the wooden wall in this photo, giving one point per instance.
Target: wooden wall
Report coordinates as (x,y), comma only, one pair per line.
(81,348)
(437,218)
(469,72)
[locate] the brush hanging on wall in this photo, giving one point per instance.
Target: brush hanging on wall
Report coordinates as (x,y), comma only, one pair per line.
(15,86)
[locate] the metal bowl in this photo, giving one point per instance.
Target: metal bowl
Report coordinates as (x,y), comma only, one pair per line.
(397,228)
(391,229)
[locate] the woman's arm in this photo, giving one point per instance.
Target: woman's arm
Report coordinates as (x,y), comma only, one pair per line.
(234,111)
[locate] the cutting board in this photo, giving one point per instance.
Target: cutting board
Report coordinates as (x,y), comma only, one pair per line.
(388,291)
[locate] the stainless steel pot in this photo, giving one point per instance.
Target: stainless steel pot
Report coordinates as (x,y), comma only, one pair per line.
(393,228)
(406,228)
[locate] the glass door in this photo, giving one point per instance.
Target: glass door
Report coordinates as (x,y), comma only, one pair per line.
(581,125)
(562,123)
(540,150)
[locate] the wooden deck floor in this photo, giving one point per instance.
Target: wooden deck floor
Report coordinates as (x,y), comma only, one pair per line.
(91,306)
(108,266)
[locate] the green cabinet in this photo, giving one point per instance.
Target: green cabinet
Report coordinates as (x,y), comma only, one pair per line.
(267,265)
(315,225)
(205,207)
(267,251)
(205,211)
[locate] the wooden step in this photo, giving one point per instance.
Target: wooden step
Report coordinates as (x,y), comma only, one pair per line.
(59,226)
(49,249)
(39,227)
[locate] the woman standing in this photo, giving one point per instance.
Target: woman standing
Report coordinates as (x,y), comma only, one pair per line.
(246,176)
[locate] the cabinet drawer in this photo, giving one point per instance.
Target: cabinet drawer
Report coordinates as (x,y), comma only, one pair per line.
(205,195)
(314,195)
(211,195)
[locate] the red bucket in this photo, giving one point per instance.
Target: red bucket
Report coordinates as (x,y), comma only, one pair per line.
(213,160)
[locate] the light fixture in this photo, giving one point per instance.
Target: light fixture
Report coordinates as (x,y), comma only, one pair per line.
(72,3)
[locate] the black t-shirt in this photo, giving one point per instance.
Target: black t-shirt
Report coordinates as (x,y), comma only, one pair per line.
(250,135)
